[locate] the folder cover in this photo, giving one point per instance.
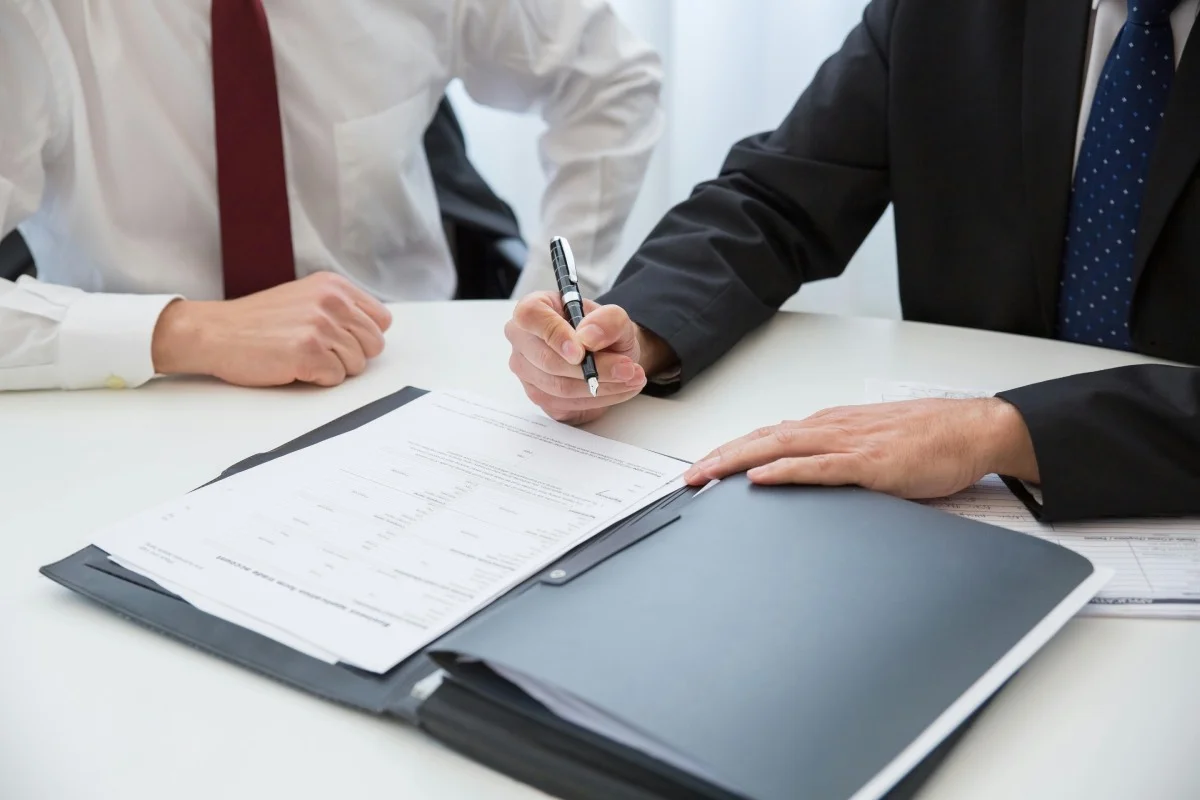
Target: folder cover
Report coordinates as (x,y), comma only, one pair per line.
(770,642)
(746,642)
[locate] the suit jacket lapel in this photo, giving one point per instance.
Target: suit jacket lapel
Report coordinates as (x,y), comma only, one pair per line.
(1053,69)
(1175,155)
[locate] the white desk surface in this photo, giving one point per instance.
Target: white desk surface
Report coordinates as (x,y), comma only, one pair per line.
(94,707)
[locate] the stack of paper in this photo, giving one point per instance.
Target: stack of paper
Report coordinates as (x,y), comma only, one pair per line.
(1156,561)
(366,547)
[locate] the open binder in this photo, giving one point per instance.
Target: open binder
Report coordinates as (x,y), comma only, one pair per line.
(743,642)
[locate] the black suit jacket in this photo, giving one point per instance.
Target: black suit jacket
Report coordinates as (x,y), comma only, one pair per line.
(962,113)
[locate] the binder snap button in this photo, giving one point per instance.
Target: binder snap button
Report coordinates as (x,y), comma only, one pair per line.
(558,573)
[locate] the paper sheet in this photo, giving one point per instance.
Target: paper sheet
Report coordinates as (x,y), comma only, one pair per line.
(1156,561)
(370,545)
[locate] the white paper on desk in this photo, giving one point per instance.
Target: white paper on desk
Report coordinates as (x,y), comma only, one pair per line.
(372,544)
(228,614)
(1156,562)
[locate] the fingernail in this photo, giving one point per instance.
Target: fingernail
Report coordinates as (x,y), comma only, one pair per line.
(571,351)
(590,334)
(625,371)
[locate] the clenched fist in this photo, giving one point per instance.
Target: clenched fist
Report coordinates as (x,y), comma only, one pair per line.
(320,329)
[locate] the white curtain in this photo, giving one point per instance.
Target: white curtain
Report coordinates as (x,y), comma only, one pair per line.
(732,68)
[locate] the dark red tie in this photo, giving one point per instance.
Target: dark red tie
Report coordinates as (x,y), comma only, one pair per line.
(256,230)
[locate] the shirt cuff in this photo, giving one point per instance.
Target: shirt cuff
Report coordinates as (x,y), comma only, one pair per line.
(105,340)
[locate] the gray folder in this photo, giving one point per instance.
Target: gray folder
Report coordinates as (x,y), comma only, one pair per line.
(784,642)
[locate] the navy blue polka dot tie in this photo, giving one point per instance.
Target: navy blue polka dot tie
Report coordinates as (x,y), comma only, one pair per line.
(1096,286)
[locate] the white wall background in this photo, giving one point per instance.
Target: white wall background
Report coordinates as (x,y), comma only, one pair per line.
(732,68)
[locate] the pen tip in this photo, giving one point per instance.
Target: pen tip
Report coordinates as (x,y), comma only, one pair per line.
(593,386)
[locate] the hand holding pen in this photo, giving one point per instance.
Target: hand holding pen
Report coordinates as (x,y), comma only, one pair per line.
(563,261)
(560,339)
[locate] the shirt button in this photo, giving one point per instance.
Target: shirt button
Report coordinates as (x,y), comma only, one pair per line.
(115,382)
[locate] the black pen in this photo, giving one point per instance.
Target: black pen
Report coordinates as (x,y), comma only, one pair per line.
(568,286)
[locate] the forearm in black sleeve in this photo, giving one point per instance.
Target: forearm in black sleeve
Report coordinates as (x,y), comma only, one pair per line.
(1117,443)
(788,207)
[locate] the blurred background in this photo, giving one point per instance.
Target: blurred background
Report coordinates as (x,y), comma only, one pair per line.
(732,68)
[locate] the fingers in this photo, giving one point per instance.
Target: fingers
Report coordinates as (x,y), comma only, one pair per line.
(366,331)
(610,367)
(336,292)
(375,310)
(566,409)
(319,364)
(349,351)
(739,442)
(575,387)
(762,447)
(607,328)
(603,327)
(540,314)
(827,469)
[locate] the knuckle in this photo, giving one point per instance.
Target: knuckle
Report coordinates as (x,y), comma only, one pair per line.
(511,331)
(544,359)
(310,344)
(529,310)
(558,386)
(515,363)
(822,462)
(870,450)
(783,434)
(322,325)
(841,432)
(551,333)
(331,301)
(332,279)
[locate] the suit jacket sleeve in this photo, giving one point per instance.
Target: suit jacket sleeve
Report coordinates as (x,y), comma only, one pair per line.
(1116,443)
(788,207)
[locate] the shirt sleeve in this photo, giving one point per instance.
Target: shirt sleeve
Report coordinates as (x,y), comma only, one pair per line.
(598,89)
(53,336)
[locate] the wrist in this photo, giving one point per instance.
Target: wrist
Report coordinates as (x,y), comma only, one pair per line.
(654,354)
(177,345)
(1008,447)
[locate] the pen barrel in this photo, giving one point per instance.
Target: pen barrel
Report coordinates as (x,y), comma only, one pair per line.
(574,312)
(589,366)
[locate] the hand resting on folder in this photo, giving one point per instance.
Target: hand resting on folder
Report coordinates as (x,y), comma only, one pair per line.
(914,448)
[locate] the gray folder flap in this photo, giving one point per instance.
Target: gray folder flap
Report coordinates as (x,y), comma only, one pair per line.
(792,640)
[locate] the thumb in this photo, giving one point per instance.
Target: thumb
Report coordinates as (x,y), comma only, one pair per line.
(607,328)
(541,314)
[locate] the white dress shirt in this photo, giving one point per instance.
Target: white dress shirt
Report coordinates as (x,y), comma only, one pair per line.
(107,154)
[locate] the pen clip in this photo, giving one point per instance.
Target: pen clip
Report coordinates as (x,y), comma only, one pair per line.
(569,257)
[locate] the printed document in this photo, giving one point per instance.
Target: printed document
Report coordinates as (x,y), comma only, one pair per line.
(1156,562)
(366,547)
